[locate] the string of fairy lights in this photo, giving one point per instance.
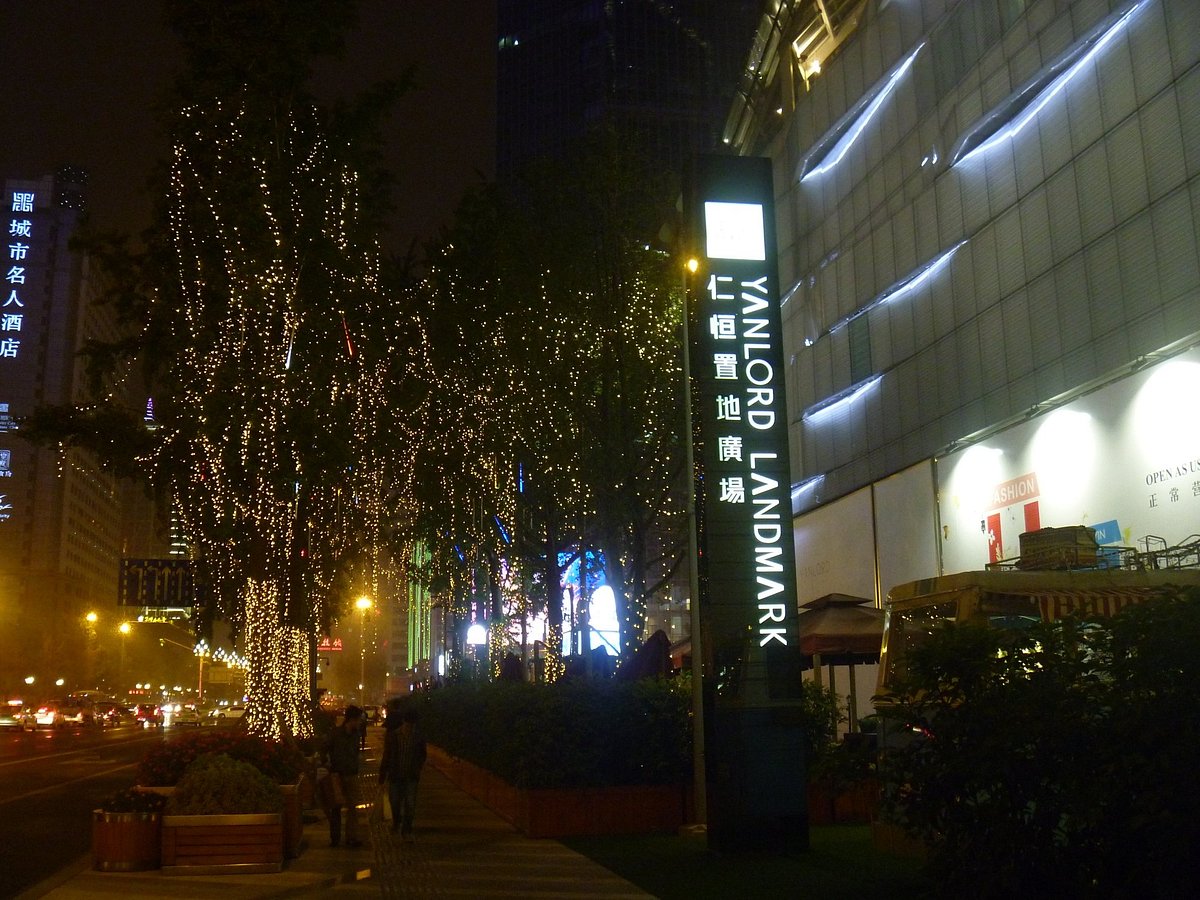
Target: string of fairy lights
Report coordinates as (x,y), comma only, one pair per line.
(528,411)
(551,414)
(277,296)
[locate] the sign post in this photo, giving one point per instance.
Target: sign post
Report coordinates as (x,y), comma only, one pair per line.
(755,770)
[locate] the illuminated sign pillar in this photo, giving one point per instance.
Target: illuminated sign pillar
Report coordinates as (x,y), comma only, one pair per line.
(755,770)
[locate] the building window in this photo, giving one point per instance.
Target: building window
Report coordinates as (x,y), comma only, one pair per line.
(860,349)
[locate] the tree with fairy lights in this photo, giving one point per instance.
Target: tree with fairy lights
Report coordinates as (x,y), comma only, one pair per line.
(558,323)
(271,343)
(279,327)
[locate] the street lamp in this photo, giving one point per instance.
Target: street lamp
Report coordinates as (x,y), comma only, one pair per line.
(201,651)
(362,604)
(124,628)
(699,784)
(91,651)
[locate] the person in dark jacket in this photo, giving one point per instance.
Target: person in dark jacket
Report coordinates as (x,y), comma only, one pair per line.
(342,751)
(400,767)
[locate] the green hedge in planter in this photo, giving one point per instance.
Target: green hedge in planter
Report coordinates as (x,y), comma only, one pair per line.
(218,784)
(568,734)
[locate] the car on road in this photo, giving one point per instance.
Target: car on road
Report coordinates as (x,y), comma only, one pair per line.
(111,713)
(148,715)
(14,714)
(74,711)
(61,713)
(182,714)
(222,713)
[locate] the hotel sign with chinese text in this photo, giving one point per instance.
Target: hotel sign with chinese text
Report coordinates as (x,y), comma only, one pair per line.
(747,558)
(18,314)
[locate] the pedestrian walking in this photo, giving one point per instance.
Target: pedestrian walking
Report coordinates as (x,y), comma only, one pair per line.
(400,767)
(341,792)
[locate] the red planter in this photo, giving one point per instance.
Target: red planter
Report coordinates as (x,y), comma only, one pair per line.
(293,823)
(293,807)
(855,804)
(238,844)
(126,841)
(554,813)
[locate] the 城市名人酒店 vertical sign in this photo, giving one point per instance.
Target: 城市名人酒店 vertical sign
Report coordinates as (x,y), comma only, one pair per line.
(748,593)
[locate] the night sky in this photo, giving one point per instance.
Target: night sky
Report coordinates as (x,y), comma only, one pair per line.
(81,79)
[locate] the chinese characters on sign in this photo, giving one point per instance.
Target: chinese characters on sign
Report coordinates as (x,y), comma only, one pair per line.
(746,551)
(12,310)
(1173,493)
(14,295)
(741,325)
(747,544)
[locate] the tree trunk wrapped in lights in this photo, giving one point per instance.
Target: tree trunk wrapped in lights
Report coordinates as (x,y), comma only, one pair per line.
(262,368)
(288,384)
(280,338)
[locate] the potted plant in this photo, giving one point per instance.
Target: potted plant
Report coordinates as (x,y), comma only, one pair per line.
(224,816)
(127,832)
(282,762)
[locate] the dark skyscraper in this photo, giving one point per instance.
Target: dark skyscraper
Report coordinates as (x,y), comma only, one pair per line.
(660,70)
(59,510)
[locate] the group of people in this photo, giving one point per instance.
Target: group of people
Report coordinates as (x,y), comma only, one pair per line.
(399,770)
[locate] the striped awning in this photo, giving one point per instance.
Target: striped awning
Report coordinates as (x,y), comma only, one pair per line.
(1089,603)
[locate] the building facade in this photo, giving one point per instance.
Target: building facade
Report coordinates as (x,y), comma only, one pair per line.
(60,513)
(987,214)
(662,70)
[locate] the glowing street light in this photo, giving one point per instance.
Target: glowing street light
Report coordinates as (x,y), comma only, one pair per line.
(362,604)
(201,651)
(699,786)
(123,629)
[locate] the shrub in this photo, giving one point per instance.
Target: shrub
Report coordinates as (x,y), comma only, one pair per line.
(567,734)
(218,784)
(133,800)
(1058,761)
(165,764)
(820,711)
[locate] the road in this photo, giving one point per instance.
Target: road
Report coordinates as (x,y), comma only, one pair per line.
(50,781)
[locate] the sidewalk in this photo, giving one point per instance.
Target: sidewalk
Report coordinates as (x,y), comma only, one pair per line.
(462,849)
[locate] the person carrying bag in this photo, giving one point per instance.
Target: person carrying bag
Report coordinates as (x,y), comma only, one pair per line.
(339,789)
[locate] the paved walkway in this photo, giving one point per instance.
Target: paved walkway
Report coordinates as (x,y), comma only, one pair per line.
(462,849)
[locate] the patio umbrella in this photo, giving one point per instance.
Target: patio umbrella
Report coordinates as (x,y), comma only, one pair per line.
(840,630)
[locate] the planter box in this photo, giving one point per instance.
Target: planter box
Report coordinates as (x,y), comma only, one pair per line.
(126,841)
(293,822)
(855,804)
(554,813)
(891,839)
(241,844)
(293,807)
